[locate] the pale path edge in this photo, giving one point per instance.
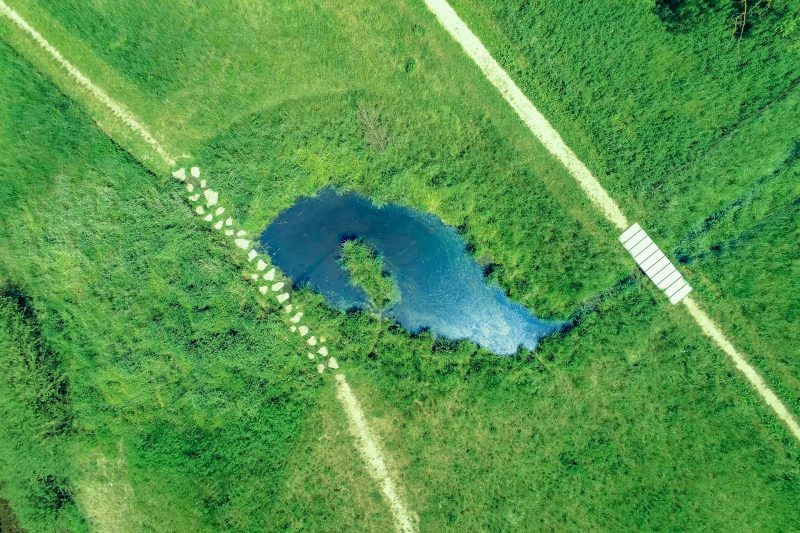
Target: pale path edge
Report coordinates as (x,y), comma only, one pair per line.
(531,116)
(770,398)
(372,455)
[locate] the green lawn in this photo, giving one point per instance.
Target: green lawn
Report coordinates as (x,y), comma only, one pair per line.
(129,338)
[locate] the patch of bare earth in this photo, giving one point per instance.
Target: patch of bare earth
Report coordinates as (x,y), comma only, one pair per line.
(105,494)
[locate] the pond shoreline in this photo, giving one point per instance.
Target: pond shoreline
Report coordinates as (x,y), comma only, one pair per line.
(442,287)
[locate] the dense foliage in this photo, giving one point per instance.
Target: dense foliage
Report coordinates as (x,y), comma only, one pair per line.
(37,423)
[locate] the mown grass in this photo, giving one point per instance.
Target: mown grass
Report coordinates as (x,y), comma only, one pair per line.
(630,420)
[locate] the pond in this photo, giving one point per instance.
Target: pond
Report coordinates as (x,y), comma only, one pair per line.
(441,287)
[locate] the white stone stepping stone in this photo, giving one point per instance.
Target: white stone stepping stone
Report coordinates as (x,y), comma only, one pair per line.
(251,255)
(288,308)
(219,211)
(283,297)
(332,363)
(244,244)
(241,233)
(229,232)
(254,277)
(322,339)
(212,197)
(194,197)
(189,187)
(195,172)
(209,217)
(323,351)
(293,329)
(229,221)
(199,210)
(312,341)
(277,286)
(263,289)
(269,276)
(311,356)
(303,330)
(320,368)
(203,184)
(296,318)
(261,265)
(218,225)
(180,174)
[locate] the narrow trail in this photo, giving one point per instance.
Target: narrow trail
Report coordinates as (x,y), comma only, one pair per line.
(372,454)
(752,375)
(116,108)
(549,137)
(205,202)
(365,440)
(271,283)
(531,116)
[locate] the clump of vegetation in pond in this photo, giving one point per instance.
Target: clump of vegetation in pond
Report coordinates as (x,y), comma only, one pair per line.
(368,271)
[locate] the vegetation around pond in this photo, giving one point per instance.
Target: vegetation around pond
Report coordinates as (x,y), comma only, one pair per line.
(367,270)
(206,407)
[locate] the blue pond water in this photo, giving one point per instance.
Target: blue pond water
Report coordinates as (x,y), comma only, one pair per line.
(442,288)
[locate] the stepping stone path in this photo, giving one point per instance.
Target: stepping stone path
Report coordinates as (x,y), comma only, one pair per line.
(203,199)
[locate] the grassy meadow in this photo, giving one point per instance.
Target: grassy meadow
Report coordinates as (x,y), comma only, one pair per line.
(692,129)
(133,352)
(125,339)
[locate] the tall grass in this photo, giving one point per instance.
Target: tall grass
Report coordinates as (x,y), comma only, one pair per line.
(367,270)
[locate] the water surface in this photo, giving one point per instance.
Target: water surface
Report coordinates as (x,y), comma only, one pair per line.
(441,287)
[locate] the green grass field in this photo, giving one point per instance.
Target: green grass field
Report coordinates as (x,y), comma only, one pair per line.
(692,130)
(144,388)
